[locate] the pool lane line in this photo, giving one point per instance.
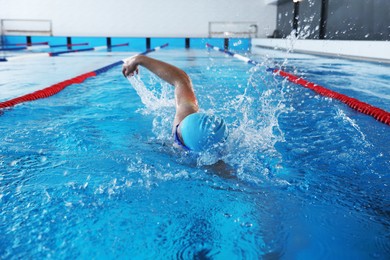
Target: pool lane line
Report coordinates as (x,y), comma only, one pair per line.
(108,67)
(362,107)
(13,48)
(42,46)
(30,44)
(69,45)
(54,89)
(57,53)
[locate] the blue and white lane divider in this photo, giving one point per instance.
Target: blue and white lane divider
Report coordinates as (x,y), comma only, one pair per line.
(52,54)
(25,56)
(235,55)
(104,69)
(13,48)
(69,45)
(56,88)
(30,48)
(39,47)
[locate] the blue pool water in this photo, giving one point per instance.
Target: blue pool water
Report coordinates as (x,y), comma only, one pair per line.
(91,172)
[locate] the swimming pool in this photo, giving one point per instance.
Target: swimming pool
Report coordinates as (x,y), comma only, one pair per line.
(91,172)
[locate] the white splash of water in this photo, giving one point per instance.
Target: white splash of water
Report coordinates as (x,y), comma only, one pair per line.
(256,128)
(142,173)
(149,97)
(254,131)
(341,114)
(158,102)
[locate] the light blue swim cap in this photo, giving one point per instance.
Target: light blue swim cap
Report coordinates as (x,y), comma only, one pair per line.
(201,131)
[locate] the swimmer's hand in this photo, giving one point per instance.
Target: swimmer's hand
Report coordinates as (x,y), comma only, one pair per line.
(130,66)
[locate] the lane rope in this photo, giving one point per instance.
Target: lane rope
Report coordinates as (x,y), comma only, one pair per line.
(57,53)
(54,89)
(42,46)
(69,45)
(13,48)
(30,44)
(362,107)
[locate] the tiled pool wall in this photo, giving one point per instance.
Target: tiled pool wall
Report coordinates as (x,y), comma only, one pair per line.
(135,43)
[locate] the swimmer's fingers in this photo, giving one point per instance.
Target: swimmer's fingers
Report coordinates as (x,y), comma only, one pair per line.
(129,70)
(124,71)
(132,73)
(130,66)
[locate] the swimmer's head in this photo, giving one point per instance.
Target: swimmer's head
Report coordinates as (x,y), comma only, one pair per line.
(201,132)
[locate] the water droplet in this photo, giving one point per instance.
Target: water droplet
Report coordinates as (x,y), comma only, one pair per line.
(246,224)
(227,215)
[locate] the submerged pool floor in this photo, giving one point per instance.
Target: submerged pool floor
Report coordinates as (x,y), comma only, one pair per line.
(91,172)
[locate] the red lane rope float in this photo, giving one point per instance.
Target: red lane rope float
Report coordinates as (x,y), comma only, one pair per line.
(69,45)
(54,89)
(47,92)
(30,44)
(377,113)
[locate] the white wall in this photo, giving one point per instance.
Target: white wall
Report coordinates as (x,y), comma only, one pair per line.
(133,18)
(367,50)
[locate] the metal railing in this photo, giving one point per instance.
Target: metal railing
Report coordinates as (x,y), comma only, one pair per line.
(233,29)
(26,27)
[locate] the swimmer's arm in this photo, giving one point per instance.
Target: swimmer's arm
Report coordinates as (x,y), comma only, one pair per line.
(165,71)
(186,102)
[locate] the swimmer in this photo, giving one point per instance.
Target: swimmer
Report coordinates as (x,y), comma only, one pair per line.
(192,130)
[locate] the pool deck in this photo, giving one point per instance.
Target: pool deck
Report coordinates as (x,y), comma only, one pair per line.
(362,50)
